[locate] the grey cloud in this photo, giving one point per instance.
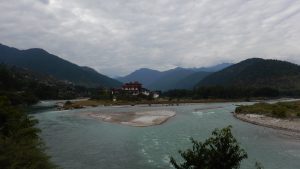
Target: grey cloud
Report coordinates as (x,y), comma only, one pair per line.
(44,1)
(115,37)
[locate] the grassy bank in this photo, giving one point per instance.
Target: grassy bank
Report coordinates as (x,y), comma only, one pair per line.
(278,110)
(94,103)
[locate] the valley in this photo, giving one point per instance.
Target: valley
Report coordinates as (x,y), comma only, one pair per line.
(157,84)
(103,115)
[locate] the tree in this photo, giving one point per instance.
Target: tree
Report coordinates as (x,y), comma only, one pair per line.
(20,144)
(221,151)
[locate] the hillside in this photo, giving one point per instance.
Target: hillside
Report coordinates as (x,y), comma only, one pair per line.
(40,61)
(190,81)
(22,86)
(178,78)
(257,72)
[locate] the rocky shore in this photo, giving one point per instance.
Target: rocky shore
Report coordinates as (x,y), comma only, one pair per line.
(290,125)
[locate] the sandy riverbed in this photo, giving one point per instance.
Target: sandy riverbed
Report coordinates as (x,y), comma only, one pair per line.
(290,125)
(137,119)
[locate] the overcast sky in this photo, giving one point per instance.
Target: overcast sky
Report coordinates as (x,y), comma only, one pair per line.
(118,36)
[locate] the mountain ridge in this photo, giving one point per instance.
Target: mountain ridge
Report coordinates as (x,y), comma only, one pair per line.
(257,72)
(41,61)
(171,79)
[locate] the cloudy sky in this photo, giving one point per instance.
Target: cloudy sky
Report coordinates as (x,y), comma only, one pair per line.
(118,36)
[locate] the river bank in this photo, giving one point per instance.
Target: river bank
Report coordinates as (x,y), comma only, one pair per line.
(277,115)
(79,104)
(289,125)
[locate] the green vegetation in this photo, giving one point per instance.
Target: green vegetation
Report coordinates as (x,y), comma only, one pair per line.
(279,110)
(102,96)
(257,73)
(94,103)
(233,92)
(225,92)
(20,144)
(38,60)
(190,81)
(221,151)
(21,86)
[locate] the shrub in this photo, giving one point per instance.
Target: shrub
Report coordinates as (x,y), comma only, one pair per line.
(221,151)
(67,103)
(279,112)
(20,144)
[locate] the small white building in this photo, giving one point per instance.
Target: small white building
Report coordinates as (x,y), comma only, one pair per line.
(155,95)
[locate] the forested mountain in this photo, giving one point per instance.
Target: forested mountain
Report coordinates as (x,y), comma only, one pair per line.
(190,81)
(22,86)
(40,61)
(178,78)
(259,73)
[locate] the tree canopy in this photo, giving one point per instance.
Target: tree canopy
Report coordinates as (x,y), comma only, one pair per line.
(221,151)
(20,144)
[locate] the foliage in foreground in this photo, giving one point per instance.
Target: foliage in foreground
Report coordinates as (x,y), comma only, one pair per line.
(279,110)
(20,144)
(221,151)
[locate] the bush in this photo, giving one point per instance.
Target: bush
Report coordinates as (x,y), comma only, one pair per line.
(20,145)
(221,151)
(68,103)
(279,112)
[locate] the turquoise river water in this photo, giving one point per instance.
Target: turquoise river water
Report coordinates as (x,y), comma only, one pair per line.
(77,142)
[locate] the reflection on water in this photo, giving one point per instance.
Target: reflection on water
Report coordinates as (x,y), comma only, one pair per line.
(76,142)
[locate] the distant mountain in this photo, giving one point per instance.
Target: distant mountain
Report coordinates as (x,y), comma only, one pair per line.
(257,72)
(170,79)
(144,75)
(212,68)
(40,61)
(178,78)
(191,80)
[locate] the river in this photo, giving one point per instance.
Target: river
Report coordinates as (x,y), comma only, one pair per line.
(77,142)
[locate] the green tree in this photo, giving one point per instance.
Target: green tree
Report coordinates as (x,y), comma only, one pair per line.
(221,151)
(20,144)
